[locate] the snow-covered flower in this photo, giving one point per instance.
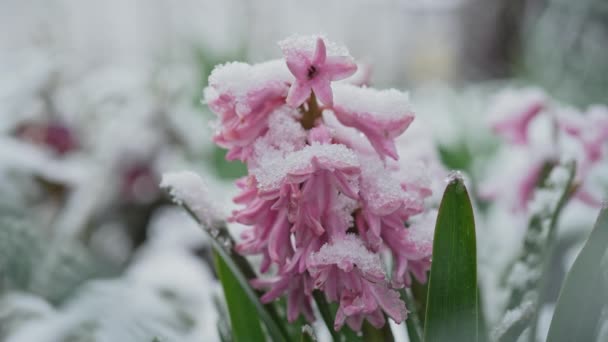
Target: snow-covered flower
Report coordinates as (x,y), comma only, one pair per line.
(321,200)
(314,69)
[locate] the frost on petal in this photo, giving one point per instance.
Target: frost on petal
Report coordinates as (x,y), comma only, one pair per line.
(273,169)
(285,134)
(243,96)
(244,87)
(381,192)
(421,232)
(189,189)
(347,253)
(382,115)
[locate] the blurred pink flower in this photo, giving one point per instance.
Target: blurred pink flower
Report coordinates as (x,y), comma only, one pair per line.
(515,127)
(313,71)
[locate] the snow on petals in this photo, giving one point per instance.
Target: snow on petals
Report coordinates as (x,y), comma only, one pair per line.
(382,115)
(243,96)
(348,268)
(315,67)
(320,201)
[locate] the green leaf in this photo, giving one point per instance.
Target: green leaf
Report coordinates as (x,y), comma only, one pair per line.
(243,315)
(451,311)
(412,323)
(585,290)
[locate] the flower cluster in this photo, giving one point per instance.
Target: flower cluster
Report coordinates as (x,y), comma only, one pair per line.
(539,131)
(325,195)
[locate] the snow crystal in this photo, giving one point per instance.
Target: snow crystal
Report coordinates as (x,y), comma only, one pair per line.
(380,189)
(274,168)
(522,312)
(189,189)
(422,228)
(285,133)
(545,200)
(454,176)
(344,207)
(521,275)
(298,43)
(349,249)
(385,104)
(308,330)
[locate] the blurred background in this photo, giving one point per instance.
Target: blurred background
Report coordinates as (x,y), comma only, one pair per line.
(99,98)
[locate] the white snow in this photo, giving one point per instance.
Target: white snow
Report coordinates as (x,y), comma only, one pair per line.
(422,228)
(378,187)
(348,250)
(274,168)
(285,134)
(189,189)
(307,43)
(241,79)
(522,312)
(389,104)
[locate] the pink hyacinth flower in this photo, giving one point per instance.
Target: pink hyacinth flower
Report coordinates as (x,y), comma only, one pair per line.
(314,69)
(514,110)
(381,115)
(349,273)
(591,130)
(515,129)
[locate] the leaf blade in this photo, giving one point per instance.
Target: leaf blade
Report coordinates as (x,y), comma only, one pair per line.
(242,312)
(580,303)
(451,312)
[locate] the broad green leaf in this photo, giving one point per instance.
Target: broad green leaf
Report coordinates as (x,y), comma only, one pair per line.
(243,315)
(451,311)
(585,290)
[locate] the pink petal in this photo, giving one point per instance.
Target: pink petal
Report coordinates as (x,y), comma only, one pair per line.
(339,67)
(320,53)
(323,91)
(298,65)
(298,94)
(390,302)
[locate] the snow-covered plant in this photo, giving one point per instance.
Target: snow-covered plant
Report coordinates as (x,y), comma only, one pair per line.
(324,196)
(539,131)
